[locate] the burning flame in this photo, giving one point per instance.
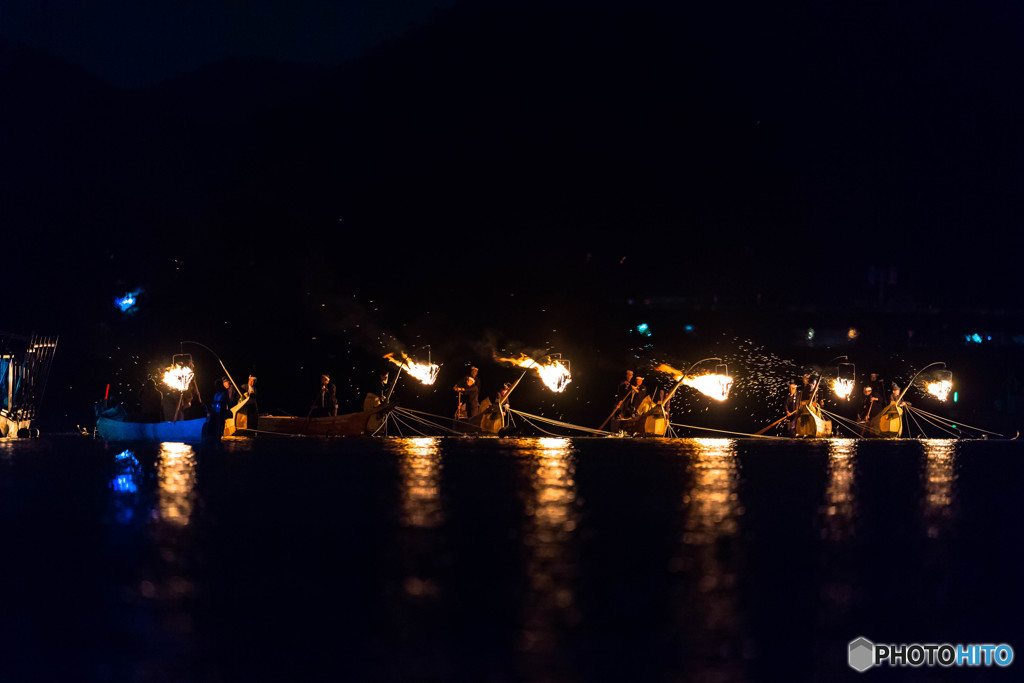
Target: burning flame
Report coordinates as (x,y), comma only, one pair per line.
(179,377)
(554,374)
(940,389)
(424,372)
(711,385)
(842,387)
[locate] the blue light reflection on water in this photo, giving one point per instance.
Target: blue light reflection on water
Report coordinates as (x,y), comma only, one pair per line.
(559,559)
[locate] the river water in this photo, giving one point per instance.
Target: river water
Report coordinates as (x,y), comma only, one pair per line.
(544,559)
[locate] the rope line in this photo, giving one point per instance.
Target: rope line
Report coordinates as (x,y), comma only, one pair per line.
(542,431)
(564,425)
(935,424)
(408,426)
(407,414)
(959,424)
(722,431)
(843,422)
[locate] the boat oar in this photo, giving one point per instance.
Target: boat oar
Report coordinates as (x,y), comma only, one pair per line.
(762,431)
(617,406)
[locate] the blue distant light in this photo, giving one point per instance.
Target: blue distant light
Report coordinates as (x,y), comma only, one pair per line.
(125,455)
(955,397)
(688,328)
(123,483)
(974,338)
(643,329)
(127,304)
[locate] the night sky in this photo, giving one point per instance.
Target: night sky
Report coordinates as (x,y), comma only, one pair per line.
(306,186)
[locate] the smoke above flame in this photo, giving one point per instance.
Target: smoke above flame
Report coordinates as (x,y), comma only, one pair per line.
(554,373)
(424,372)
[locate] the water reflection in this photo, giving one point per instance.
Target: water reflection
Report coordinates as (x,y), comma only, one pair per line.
(419,466)
(551,562)
(124,482)
(839,509)
(838,515)
(940,476)
(176,480)
(420,470)
(151,556)
(712,503)
(709,613)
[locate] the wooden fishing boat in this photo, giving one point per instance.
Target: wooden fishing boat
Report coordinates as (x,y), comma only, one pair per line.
(187,431)
(887,424)
(492,419)
(650,420)
(366,421)
(811,424)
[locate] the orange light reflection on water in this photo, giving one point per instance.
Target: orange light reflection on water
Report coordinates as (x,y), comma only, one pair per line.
(551,563)
(940,475)
(420,470)
(840,499)
(176,480)
(713,503)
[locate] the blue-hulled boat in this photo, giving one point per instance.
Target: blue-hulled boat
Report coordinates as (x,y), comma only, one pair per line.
(187,431)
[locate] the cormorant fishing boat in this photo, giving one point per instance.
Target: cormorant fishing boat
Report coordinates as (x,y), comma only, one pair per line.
(365,422)
(811,424)
(186,431)
(887,424)
(113,423)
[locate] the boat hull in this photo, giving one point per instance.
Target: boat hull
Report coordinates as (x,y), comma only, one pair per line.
(350,424)
(810,424)
(888,424)
(366,421)
(188,431)
(652,421)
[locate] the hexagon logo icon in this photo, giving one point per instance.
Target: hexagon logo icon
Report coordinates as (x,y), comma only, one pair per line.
(862,654)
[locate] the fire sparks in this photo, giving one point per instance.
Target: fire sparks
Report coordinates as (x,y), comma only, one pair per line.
(554,373)
(179,377)
(711,385)
(842,387)
(940,389)
(424,372)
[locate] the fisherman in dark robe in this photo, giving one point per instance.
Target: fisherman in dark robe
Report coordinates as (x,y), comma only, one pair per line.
(868,407)
(894,397)
(631,406)
(468,389)
(326,402)
(250,411)
(792,406)
(224,399)
(806,389)
(877,385)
